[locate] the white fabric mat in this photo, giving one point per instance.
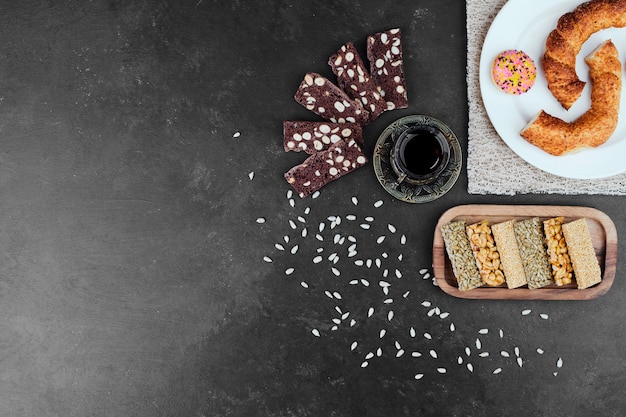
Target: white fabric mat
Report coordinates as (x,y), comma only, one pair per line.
(492,167)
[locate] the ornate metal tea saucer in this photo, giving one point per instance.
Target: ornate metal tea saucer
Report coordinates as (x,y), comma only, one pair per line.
(408,192)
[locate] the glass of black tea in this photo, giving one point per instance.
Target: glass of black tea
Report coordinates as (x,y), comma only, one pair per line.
(420,154)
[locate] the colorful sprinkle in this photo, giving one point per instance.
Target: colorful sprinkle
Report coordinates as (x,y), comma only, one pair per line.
(514,72)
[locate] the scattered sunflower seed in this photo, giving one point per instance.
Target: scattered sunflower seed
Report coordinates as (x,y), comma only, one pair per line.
(294,250)
(365,226)
(544,316)
(526,312)
(470,367)
(382,333)
(483,354)
(433,354)
(416,354)
(279,246)
(304,284)
(497,371)
(441,370)
(315,332)
(355,201)
(428,336)
(353,346)
(251,175)
(390,315)
(315,194)
(267,259)
(483,331)
(505,354)
(426,303)
(236,134)
(289,271)
(260,220)
(520,362)
(559,363)
(364,364)
(403,239)
(370,312)
(540,351)
(452,328)
(412,332)
(419,376)
(335,271)
(378,204)
(317,259)
(370,355)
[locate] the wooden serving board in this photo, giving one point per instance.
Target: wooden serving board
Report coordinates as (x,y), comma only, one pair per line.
(601,228)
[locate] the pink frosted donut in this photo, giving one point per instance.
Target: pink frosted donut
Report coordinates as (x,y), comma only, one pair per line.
(514,72)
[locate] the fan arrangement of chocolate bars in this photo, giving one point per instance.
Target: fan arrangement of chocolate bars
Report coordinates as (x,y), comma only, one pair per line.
(358,98)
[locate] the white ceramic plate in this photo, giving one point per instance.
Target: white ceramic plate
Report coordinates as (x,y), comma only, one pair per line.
(525,24)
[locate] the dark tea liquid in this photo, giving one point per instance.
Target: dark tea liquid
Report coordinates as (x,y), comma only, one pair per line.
(421,153)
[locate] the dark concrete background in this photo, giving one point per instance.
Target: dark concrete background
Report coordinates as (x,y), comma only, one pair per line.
(132,280)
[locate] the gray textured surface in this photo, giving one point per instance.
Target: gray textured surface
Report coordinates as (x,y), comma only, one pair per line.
(131,273)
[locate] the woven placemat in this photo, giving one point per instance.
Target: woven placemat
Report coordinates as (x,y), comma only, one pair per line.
(492,167)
